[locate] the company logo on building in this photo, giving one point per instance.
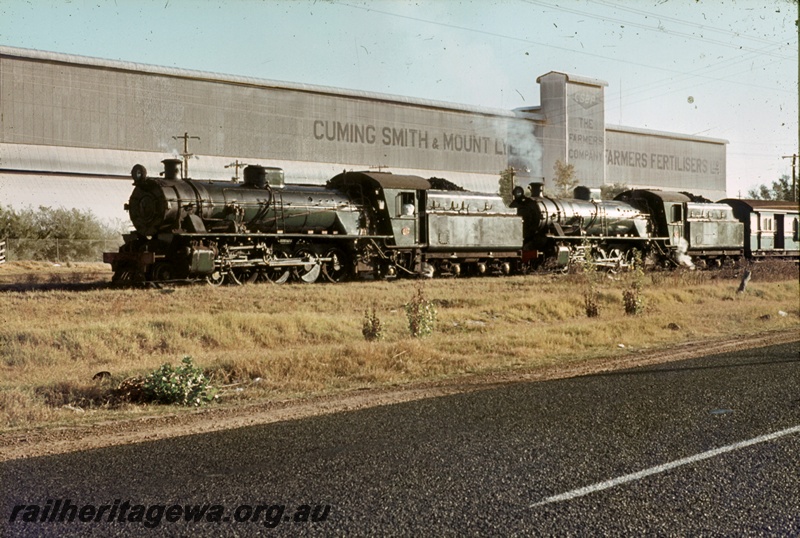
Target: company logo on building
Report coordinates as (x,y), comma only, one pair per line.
(586,99)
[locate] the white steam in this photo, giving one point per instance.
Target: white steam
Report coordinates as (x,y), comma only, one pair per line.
(680,254)
(524,149)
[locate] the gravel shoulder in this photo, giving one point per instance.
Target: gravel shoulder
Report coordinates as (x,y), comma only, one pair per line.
(49,441)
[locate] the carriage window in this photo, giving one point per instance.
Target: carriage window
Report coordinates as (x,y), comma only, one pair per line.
(796,230)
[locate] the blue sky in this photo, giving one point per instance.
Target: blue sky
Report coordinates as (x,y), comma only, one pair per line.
(722,68)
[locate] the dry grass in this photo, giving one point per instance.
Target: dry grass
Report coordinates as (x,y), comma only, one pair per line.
(37,272)
(276,342)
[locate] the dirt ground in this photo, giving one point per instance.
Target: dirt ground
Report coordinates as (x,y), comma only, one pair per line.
(48,441)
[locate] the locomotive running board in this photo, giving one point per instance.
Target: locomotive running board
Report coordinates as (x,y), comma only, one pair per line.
(604,237)
(285,236)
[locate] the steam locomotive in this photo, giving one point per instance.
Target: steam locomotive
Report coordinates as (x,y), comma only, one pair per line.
(382,225)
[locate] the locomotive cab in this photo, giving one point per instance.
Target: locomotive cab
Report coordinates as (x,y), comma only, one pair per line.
(402,208)
(395,204)
(666,211)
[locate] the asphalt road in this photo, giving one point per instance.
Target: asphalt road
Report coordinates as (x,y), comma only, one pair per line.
(705,447)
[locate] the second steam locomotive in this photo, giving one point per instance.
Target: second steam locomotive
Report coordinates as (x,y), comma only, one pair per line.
(382,225)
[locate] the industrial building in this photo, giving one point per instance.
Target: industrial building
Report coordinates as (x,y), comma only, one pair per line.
(72,127)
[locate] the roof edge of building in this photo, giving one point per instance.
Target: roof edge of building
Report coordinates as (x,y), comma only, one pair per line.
(59,57)
(665,134)
(577,79)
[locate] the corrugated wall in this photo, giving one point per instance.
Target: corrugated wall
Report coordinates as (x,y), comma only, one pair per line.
(653,159)
(63,117)
(87,106)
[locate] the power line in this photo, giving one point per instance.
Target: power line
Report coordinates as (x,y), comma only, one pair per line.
(658,29)
(763,51)
(704,27)
(531,42)
(614,106)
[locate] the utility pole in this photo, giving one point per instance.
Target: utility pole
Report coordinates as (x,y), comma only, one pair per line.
(794,175)
(236,165)
(186,153)
(794,156)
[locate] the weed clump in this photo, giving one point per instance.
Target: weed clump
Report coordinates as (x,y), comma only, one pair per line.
(632,297)
(421,314)
(590,302)
(589,271)
(371,327)
(183,385)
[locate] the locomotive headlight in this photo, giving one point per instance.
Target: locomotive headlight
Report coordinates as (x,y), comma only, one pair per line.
(138,173)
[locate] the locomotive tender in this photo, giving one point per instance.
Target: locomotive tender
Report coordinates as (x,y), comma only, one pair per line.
(382,225)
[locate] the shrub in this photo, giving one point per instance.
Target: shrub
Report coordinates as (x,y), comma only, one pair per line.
(589,271)
(590,302)
(421,314)
(55,234)
(632,297)
(371,328)
(507,185)
(184,385)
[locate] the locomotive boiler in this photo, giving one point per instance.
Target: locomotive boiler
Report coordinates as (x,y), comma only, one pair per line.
(263,204)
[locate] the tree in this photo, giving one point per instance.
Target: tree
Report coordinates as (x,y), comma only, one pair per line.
(608,192)
(507,184)
(780,190)
(55,233)
(564,179)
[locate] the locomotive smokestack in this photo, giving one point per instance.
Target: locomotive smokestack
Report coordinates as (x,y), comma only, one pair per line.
(171,168)
(536,189)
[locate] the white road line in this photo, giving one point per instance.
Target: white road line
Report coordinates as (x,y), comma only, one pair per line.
(580,492)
